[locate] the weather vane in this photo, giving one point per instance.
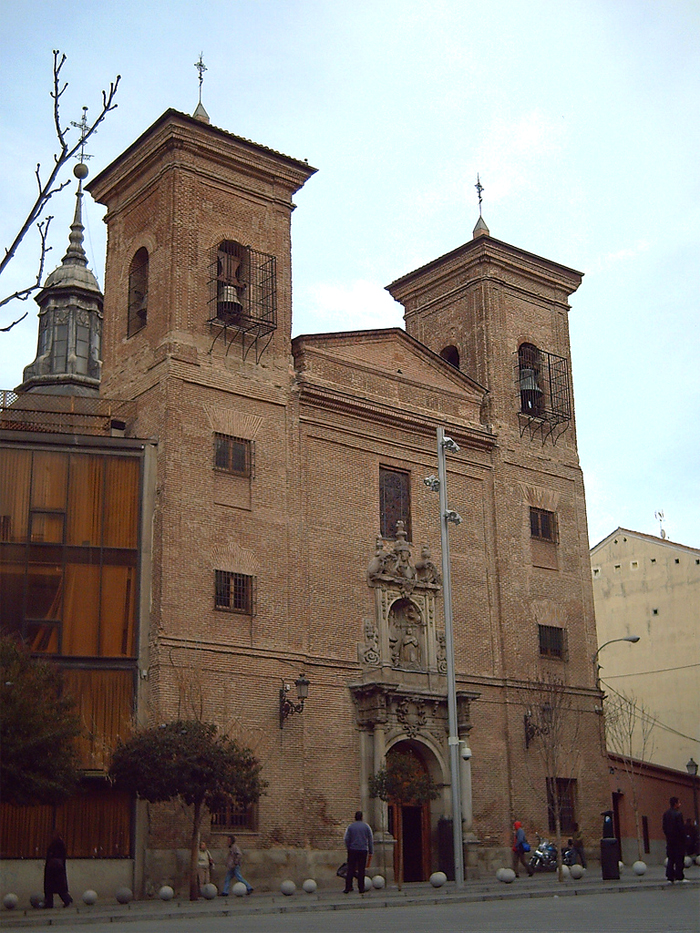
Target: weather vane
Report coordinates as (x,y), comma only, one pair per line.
(83,126)
(479,187)
(201,68)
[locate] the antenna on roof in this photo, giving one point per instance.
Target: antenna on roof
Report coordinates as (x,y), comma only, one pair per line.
(660,517)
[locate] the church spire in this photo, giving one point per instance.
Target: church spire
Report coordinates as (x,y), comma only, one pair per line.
(70,319)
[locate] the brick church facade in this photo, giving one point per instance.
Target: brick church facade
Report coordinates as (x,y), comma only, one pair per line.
(290,535)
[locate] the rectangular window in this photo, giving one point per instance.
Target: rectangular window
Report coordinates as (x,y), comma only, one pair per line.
(233,455)
(552,641)
(645,834)
(565,790)
(233,592)
(232,818)
(543,524)
(394,501)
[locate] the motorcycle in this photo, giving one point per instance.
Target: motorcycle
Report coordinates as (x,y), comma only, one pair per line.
(544,858)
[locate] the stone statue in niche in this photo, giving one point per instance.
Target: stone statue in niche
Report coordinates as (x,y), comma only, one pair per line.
(406,635)
(426,571)
(441,653)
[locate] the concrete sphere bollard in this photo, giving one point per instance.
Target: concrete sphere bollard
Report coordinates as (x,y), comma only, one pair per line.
(697,859)
(166,893)
(37,900)
(368,883)
(378,882)
(10,901)
(89,897)
(508,876)
(309,886)
(499,874)
(239,889)
(288,888)
(687,861)
(576,872)
(438,878)
(639,867)
(209,891)
(565,871)
(124,895)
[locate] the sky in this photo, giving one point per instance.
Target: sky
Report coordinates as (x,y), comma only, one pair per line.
(580,116)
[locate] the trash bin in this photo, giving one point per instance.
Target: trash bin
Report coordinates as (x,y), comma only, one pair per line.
(609,863)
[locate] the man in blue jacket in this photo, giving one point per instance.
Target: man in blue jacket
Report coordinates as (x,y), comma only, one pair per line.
(360,845)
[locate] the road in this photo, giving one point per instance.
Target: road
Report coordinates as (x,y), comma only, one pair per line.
(672,910)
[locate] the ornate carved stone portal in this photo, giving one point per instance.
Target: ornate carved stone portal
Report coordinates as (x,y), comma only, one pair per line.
(403,635)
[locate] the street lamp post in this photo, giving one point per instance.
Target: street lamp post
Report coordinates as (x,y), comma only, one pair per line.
(692,768)
(633,639)
(448,516)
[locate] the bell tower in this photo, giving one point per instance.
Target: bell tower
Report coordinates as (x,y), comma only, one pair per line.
(500,314)
(198,270)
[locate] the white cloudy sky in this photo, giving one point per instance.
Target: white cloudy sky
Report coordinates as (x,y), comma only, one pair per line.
(582,117)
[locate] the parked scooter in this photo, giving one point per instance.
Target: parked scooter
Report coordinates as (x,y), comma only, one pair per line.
(544,858)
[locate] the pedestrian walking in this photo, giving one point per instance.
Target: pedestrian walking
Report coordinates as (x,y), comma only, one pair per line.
(579,849)
(359,842)
(520,847)
(234,860)
(55,876)
(674,830)
(205,863)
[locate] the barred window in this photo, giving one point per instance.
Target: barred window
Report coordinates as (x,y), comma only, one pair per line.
(232,818)
(543,524)
(138,292)
(233,455)
(233,592)
(552,641)
(394,501)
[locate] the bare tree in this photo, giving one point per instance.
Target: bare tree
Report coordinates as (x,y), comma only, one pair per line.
(51,185)
(628,733)
(552,721)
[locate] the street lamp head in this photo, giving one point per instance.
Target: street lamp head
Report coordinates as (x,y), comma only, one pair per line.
(692,768)
(450,445)
(633,638)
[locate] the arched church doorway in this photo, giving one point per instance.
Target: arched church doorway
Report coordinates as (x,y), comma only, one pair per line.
(409,824)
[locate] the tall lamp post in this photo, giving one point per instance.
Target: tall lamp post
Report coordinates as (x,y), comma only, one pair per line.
(692,768)
(447,517)
(631,638)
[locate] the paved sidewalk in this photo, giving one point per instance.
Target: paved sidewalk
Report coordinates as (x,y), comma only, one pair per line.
(485,889)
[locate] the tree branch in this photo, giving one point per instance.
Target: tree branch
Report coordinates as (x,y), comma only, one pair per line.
(47,189)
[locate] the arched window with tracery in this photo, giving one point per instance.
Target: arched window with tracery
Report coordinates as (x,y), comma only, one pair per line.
(138,292)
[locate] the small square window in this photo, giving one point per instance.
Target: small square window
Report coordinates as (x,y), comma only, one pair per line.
(233,455)
(552,641)
(233,592)
(596,571)
(543,524)
(634,565)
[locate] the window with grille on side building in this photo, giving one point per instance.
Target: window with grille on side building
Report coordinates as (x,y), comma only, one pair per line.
(566,792)
(394,501)
(233,455)
(231,818)
(233,592)
(552,641)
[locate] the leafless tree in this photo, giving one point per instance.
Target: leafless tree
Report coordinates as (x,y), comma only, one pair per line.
(628,732)
(552,721)
(51,185)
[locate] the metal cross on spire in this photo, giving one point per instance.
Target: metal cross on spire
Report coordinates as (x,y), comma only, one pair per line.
(479,187)
(83,126)
(201,68)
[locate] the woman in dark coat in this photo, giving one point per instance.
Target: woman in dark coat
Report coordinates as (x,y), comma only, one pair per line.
(55,877)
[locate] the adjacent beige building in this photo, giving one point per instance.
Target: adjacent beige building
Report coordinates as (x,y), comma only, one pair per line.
(650,587)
